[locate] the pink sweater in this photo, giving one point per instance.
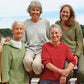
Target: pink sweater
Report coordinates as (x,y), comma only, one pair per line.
(57,56)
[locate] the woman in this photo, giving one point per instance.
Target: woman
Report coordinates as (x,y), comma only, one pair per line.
(36,34)
(13,71)
(72,33)
(54,54)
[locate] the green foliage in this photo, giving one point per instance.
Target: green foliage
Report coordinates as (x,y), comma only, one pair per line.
(82,27)
(6,32)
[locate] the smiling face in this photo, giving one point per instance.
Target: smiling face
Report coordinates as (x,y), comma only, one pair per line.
(65,13)
(55,34)
(18,31)
(35,13)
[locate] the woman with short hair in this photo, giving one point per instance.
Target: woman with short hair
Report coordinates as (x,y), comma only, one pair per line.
(13,71)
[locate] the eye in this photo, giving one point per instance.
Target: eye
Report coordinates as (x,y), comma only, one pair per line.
(21,28)
(37,9)
(32,10)
(67,12)
(16,28)
(63,11)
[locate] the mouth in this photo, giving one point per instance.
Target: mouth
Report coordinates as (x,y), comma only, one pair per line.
(65,17)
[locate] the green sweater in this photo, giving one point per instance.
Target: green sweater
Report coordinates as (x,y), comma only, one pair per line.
(73,38)
(13,70)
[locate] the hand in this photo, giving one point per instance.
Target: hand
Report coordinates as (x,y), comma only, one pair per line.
(76,59)
(8,39)
(62,80)
(65,72)
(6,83)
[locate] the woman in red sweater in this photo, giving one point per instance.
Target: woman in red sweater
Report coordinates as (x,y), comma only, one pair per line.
(54,54)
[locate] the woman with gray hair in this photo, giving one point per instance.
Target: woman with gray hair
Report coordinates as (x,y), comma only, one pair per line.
(13,71)
(36,34)
(54,54)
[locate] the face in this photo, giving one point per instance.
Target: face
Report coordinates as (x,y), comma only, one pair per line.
(35,12)
(18,31)
(55,34)
(65,13)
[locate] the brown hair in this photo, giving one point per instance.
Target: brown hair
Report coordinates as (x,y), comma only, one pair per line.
(70,21)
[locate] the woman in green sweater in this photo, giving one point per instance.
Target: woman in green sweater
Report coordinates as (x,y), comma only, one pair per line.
(72,33)
(13,71)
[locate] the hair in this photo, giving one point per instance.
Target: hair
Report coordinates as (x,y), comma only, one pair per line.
(55,26)
(71,19)
(17,22)
(33,4)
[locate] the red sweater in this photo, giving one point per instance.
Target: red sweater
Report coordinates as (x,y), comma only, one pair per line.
(57,56)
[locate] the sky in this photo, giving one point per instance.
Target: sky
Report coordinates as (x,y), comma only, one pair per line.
(11,10)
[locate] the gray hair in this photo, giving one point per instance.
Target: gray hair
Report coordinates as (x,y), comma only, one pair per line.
(33,4)
(55,26)
(17,22)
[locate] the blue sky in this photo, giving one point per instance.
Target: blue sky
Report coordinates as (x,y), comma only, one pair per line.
(11,10)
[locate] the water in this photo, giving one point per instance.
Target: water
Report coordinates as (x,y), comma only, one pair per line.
(3,40)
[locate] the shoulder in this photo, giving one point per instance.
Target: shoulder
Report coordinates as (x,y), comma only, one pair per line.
(23,42)
(76,23)
(64,45)
(27,21)
(46,44)
(57,22)
(7,43)
(45,20)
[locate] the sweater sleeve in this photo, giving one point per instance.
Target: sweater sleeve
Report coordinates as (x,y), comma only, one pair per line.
(45,56)
(5,63)
(79,40)
(48,25)
(69,56)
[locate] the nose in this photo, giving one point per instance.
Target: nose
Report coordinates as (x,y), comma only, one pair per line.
(35,11)
(18,30)
(54,34)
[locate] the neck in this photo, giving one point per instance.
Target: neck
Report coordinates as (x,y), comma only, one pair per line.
(63,23)
(35,20)
(55,43)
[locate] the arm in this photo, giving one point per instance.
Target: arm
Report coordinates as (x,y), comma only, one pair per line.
(76,57)
(48,25)
(51,67)
(6,83)
(8,39)
(48,64)
(62,80)
(71,59)
(5,63)
(79,40)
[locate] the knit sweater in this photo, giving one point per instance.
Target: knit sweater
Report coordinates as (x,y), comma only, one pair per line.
(13,70)
(73,38)
(36,34)
(57,56)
